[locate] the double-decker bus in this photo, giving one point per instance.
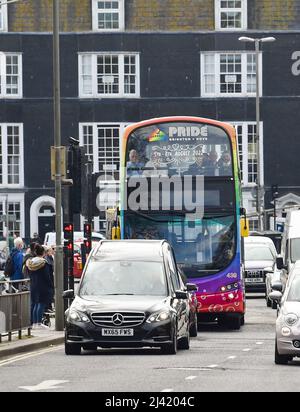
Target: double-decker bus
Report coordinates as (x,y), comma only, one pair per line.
(180,181)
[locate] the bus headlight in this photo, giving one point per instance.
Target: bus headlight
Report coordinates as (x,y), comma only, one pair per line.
(230,287)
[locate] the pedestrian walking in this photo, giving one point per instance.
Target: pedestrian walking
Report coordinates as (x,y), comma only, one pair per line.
(40,289)
(16,258)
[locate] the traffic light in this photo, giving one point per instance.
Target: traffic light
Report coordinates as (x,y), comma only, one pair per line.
(274,192)
(75,156)
(69,238)
(87,233)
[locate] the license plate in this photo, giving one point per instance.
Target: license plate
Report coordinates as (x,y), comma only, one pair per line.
(117,332)
(254,280)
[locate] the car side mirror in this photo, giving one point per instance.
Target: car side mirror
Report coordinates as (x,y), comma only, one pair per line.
(280,263)
(68,294)
(191,287)
(179,294)
(276,296)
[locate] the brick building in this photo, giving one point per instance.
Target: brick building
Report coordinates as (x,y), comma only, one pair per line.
(126,60)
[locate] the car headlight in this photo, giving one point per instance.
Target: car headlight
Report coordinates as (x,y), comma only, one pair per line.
(291,319)
(159,317)
(76,316)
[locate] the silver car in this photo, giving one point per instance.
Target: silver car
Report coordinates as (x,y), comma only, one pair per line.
(287,342)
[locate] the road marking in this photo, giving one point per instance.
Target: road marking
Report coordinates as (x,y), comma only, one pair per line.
(44,386)
(191,378)
(259,343)
(231,357)
(27,356)
(246,350)
(212,366)
(167,390)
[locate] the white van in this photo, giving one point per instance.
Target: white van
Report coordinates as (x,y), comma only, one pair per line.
(50,238)
(290,249)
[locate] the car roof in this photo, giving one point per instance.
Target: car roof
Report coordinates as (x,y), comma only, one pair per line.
(151,250)
(259,240)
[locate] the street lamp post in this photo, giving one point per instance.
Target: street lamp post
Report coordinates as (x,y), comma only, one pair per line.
(59,306)
(259,182)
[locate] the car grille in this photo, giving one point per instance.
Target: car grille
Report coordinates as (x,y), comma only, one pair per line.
(255,274)
(128,319)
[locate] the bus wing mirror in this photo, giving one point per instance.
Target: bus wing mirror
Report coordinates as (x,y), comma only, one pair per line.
(116,233)
(245,230)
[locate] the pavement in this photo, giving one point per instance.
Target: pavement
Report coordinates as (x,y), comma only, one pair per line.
(39,339)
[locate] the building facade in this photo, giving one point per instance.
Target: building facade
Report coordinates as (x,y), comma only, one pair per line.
(127,60)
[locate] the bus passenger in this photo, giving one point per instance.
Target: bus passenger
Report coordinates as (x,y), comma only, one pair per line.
(155,168)
(211,163)
(197,168)
(225,165)
(134,166)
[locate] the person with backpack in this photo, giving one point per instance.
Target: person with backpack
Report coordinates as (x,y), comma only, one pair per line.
(14,263)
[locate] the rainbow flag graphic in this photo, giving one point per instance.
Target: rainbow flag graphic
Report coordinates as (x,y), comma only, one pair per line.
(158,136)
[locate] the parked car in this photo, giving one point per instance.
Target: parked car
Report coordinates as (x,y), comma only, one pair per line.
(287,341)
(260,265)
(129,296)
(290,247)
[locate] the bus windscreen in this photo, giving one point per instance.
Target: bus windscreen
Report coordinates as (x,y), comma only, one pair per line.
(169,149)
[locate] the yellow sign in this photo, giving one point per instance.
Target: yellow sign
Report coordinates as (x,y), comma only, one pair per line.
(62,170)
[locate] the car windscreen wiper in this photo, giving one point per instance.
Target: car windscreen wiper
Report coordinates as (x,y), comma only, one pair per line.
(119,294)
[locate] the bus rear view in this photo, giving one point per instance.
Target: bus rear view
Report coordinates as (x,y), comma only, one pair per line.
(180,182)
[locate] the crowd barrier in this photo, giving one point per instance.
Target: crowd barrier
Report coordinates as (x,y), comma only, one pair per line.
(14,308)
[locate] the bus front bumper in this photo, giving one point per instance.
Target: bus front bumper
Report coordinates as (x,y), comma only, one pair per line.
(229,302)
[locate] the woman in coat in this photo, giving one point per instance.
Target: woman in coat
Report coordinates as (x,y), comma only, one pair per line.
(40,286)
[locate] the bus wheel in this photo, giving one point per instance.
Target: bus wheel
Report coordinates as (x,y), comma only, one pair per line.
(234,322)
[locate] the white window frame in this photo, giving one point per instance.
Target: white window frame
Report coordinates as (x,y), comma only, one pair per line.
(96,11)
(217,73)
(95,127)
(244,125)
(95,148)
(15,198)
(244,19)
(4,154)
(3,16)
(93,75)
(3,75)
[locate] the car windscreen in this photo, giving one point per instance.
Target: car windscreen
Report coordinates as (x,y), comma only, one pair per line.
(295,250)
(294,292)
(254,252)
(123,278)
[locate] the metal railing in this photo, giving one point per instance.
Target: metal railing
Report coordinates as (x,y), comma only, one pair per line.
(15,308)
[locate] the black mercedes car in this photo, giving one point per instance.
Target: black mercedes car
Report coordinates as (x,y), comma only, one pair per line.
(130,295)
